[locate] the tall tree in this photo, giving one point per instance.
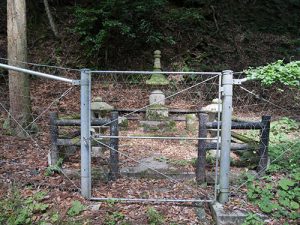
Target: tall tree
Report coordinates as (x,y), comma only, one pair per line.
(19,89)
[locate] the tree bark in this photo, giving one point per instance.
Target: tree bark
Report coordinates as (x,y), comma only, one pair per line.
(50,18)
(19,89)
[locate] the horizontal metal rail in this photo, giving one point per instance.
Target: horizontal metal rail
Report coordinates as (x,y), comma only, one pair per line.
(237,125)
(39,74)
(151,200)
(153,72)
(171,111)
(154,137)
(233,146)
(95,122)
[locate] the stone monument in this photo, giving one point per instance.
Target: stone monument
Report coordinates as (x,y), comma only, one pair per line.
(157,113)
(157,78)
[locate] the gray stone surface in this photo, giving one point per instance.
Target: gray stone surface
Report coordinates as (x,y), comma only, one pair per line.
(161,126)
(191,122)
(223,217)
(146,163)
(157,113)
(97,152)
(100,108)
(157,97)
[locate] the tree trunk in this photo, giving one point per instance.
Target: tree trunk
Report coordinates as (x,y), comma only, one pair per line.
(50,18)
(19,89)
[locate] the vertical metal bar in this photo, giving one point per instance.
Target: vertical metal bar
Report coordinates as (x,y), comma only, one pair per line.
(114,146)
(264,144)
(219,139)
(54,154)
(227,83)
(85,134)
(201,160)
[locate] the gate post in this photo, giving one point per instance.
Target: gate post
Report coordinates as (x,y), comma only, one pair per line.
(114,146)
(85,123)
(201,159)
(264,144)
(227,83)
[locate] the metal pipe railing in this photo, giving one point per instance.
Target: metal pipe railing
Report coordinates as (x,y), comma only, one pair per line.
(39,74)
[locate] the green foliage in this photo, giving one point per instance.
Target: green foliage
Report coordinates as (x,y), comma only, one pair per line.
(76,208)
(113,218)
(253,219)
(280,200)
(17,210)
(121,21)
(277,72)
(189,16)
(154,217)
(50,170)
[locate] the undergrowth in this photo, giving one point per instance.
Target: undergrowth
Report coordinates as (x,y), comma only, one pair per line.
(278,192)
(16,209)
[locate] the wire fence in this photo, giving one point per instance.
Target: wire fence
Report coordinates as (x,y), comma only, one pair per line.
(155,165)
(163,157)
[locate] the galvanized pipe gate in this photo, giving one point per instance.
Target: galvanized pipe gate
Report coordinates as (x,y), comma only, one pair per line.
(85,83)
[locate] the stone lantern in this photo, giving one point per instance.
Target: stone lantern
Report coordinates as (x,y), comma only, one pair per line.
(99,109)
(212,110)
(157,79)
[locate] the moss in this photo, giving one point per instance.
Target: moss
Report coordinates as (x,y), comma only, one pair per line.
(156,112)
(158,79)
(75,140)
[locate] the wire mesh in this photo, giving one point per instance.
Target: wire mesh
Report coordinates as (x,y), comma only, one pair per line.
(159,164)
(253,102)
(24,161)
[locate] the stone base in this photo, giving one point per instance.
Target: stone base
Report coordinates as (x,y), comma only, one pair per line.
(157,112)
(162,126)
(236,217)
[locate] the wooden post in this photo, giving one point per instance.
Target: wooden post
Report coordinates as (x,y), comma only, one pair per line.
(201,160)
(264,144)
(114,145)
(54,154)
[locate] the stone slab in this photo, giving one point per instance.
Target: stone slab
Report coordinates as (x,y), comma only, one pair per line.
(222,217)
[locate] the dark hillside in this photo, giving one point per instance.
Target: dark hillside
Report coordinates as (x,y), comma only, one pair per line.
(192,34)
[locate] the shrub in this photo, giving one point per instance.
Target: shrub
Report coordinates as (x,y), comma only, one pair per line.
(277,72)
